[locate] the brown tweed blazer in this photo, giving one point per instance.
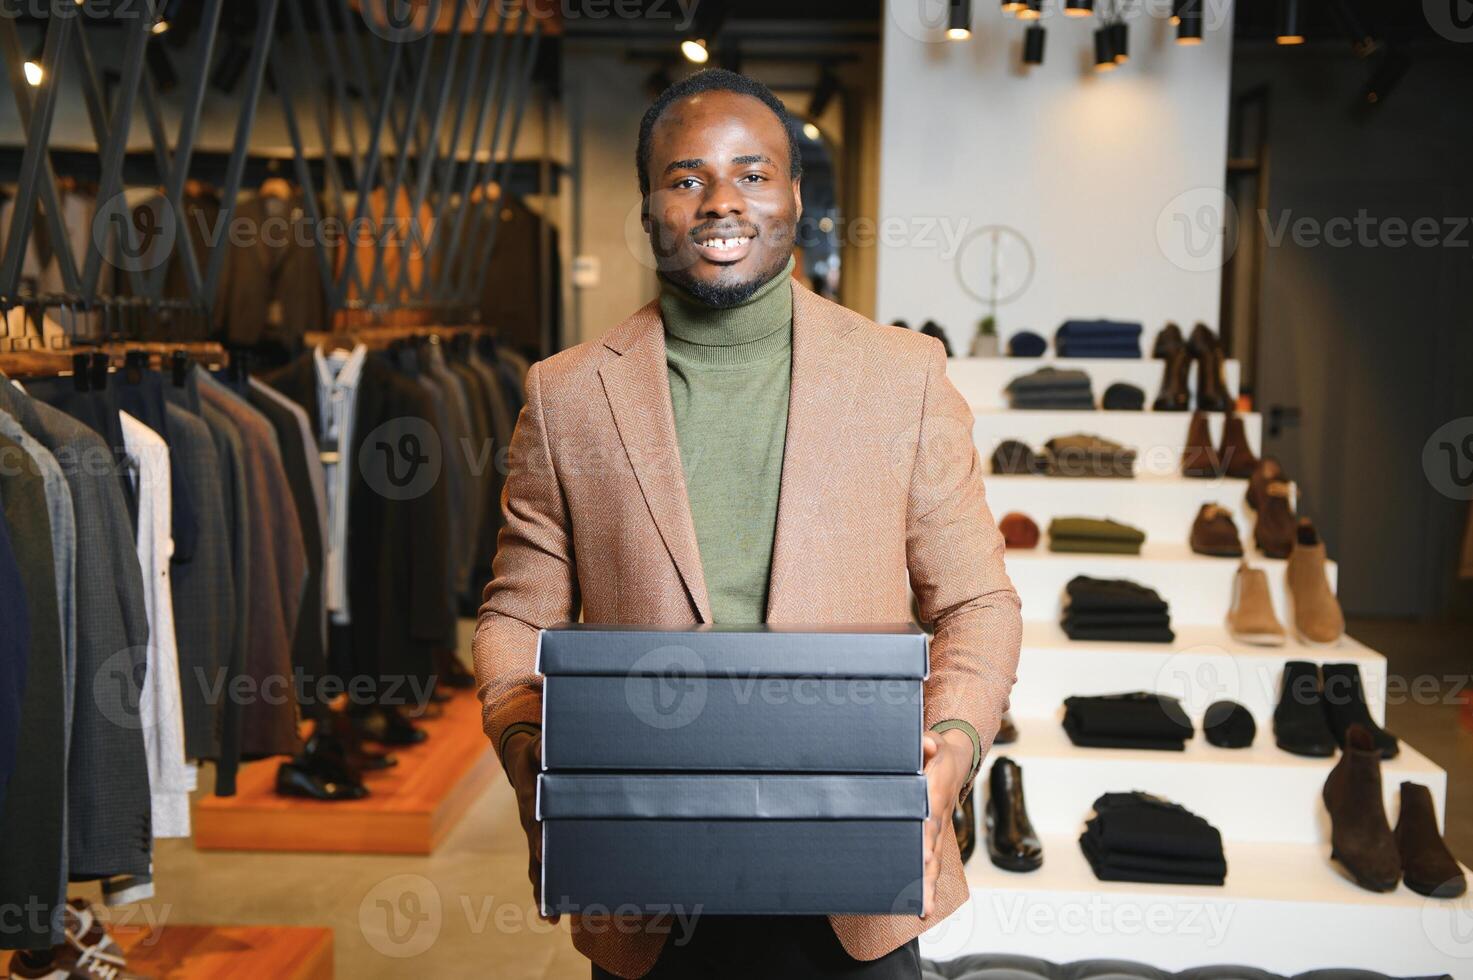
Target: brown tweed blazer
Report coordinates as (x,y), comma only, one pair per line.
(880,479)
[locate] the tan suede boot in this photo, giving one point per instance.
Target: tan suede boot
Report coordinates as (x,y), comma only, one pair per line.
(1251,618)
(1317,616)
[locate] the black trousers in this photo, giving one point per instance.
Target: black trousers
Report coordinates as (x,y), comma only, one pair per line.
(771,947)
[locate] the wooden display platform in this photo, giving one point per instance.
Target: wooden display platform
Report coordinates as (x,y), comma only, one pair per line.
(409,810)
(225,952)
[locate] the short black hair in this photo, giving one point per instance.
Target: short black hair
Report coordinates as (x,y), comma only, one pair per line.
(712,80)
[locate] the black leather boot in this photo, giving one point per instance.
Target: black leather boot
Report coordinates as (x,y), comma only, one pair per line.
(1300,725)
(386,725)
(1174,392)
(1429,866)
(1212,391)
(1360,838)
(1011,843)
(1168,340)
(1345,705)
(964,822)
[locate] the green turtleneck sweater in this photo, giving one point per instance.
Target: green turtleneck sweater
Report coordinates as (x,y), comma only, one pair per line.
(730,371)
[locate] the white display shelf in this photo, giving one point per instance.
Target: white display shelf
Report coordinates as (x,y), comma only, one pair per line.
(1162,506)
(1284,908)
(1198,588)
(981,380)
(1157,437)
(1256,794)
(1204,665)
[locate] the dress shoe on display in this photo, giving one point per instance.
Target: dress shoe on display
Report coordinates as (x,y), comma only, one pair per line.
(67,962)
(1345,707)
(1215,534)
(386,725)
(1265,471)
(1428,866)
(1251,617)
(1011,843)
(1212,392)
(1168,340)
(1174,392)
(1275,529)
(964,822)
(1360,838)
(1236,455)
(1007,732)
(1300,722)
(1317,616)
(294,779)
(1199,459)
(85,930)
(351,750)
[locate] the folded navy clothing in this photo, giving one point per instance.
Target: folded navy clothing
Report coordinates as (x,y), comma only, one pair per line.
(1125,351)
(1073,329)
(1026,343)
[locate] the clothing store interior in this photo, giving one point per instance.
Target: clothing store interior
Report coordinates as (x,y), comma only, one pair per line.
(314,309)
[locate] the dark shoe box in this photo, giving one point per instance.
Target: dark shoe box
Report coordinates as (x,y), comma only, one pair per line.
(775,699)
(739,844)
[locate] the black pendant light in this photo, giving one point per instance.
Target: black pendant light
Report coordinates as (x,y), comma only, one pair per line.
(1189,26)
(959,20)
(1120,41)
(1288,31)
(1033,38)
(1176,12)
(1032,10)
(1104,50)
(1079,8)
(1011,6)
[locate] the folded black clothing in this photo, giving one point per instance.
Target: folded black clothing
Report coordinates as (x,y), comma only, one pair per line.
(1143,823)
(1122,397)
(1122,617)
(1049,379)
(1118,634)
(1072,348)
(1108,866)
(1076,403)
(1085,592)
(1014,458)
(1138,715)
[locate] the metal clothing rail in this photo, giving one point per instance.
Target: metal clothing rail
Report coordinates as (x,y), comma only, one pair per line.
(403,127)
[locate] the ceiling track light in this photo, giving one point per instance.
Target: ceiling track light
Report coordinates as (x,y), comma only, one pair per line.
(1176,6)
(1288,30)
(1033,38)
(1104,50)
(823,93)
(1032,10)
(959,20)
(1189,24)
(695,50)
(1079,8)
(1012,6)
(1120,41)
(34,72)
(704,31)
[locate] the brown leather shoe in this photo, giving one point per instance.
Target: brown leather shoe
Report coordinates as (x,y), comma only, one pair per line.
(1199,459)
(1214,533)
(1007,732)
(1251,617)
(1273,532)
(1168,340)
(1212,392)
(1360,838)
(1174,393)
(1317,616)
(1429,866)
(1236,455)
(1265,471)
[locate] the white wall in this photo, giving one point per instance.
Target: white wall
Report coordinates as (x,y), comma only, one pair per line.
(1083,164)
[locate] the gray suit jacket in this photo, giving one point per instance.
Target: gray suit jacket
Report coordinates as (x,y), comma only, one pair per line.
(110,831)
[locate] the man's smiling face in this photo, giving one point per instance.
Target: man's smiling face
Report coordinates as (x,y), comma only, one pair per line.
(722,206)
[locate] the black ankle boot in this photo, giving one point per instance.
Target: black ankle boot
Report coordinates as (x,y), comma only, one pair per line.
(1360,838)
(1011,843)
(964,822)
(1168,340)
(1173,394)
(1345,705)
(1428,866)
(1212,392)
(1300,725)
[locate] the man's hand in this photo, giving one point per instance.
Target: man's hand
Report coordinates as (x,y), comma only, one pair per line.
(948,761)
(523,761)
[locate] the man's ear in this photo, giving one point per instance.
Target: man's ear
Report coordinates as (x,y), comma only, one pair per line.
(797,200)
(644,214)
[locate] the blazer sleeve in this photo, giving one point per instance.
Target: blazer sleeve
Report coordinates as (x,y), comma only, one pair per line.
(534,579)
(954,551)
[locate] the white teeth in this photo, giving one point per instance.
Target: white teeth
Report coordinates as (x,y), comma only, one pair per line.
(724,243)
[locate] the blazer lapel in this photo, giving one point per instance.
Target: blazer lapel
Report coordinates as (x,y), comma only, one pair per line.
(638,389)
(825,380)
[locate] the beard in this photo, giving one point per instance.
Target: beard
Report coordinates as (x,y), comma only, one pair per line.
(724,295)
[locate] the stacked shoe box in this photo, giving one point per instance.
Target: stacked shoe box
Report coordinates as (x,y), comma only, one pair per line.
(732,770)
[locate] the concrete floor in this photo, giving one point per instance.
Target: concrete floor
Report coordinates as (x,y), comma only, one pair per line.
(467,910)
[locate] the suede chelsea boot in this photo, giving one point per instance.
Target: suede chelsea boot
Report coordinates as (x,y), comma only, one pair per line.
(1199,459)
(1300,724)
(1174,394)
(1429,866)
(1168,340)
(1345,707)
(1236,455)
(1274,529)
(1360,838)
(1267,470)
(1317,616)
(1251,616)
